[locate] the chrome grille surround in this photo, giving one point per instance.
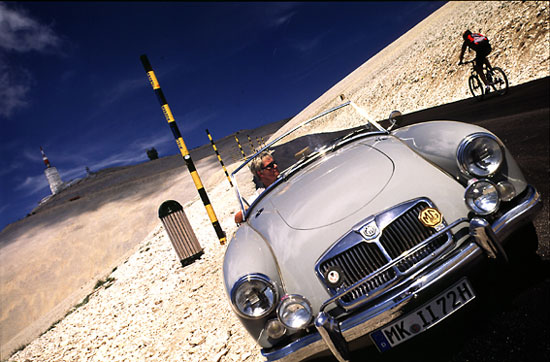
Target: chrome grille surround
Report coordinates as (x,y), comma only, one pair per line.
(381,246)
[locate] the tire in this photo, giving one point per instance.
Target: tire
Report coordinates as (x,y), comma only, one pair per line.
(476,87)
(522,244)
(500,81)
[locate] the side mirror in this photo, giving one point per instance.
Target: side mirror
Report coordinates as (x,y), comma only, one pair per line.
(394,118)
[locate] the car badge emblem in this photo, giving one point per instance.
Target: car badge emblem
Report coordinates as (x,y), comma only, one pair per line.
(370,231)
(430,217)
(333,276)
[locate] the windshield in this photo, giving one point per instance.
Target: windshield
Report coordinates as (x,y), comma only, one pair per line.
(294,147)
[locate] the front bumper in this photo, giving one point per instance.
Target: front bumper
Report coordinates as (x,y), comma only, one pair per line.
(485,242)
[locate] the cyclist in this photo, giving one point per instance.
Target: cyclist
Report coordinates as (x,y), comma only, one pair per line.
(480,44)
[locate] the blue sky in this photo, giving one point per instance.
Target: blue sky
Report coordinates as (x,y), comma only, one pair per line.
(71,80)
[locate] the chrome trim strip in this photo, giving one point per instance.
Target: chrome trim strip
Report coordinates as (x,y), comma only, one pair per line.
(299,349)
(523,212)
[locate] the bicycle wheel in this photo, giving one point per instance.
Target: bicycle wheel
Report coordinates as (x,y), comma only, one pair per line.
(500,82)
(476,87)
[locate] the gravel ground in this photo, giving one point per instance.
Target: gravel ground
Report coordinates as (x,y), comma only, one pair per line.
(153,309)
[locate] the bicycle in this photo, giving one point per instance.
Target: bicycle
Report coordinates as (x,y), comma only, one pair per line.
(495,76)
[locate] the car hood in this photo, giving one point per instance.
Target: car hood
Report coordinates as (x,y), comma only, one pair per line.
(302,217)
(329,184)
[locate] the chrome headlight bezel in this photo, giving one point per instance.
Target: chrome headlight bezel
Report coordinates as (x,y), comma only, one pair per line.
(294,300)
(262,285)
(487,190)
(470,164)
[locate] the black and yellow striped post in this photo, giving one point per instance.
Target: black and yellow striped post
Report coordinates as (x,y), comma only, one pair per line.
(219,157)
(263,142)
(183,149)
(259,144)
(240,147)
(251,145)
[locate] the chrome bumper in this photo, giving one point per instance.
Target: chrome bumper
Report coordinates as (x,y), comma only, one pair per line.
(334,335)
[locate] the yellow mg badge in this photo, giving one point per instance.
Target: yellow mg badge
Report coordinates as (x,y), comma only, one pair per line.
(430,217)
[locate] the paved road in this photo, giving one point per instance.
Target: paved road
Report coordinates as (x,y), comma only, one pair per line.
(512,322)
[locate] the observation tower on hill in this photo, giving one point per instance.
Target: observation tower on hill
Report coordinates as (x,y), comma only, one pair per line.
(56,184)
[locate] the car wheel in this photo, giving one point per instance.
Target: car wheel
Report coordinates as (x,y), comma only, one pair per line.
(522,244)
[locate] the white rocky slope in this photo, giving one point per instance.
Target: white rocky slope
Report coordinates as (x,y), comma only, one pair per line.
(155,310)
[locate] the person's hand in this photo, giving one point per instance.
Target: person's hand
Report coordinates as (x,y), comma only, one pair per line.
(239,217)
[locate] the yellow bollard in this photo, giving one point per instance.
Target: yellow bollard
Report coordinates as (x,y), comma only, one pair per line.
(183,149)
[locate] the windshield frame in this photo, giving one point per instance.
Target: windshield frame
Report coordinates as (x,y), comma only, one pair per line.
(286,173)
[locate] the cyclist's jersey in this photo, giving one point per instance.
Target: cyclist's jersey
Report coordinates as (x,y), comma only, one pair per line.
(476,41)
(480,44)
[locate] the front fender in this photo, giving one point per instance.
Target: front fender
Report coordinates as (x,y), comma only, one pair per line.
(248,253)
(438,141)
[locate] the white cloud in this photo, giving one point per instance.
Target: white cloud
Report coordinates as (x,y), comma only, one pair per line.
(14,86)
(19,33)
(309,44)
(161,138)
(280,13)
(193,120)
(135,152)
(128,157)
(122,88)
(12,167)
(5,208)
(282,18)
(33,184)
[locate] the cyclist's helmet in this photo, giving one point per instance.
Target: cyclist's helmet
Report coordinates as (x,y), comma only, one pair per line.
(466,33)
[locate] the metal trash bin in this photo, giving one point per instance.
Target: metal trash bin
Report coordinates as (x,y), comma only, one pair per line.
(180,232)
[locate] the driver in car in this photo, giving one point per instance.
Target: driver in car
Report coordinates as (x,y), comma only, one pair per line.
(265,168)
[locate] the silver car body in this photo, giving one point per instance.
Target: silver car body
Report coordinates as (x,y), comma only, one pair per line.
(347,197)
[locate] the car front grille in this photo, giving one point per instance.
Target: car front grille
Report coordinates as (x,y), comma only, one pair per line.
(365,257)
(405,233)
(356,263)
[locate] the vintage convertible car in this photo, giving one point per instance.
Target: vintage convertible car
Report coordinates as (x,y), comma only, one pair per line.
(370,235)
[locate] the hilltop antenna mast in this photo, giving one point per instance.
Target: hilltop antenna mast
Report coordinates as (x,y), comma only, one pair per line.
(56,184)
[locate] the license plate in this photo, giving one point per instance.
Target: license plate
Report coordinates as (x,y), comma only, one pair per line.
(424,317)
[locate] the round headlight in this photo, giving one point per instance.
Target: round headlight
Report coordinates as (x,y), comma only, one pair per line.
(254,296)
(295,312)
(480,154)
(482,197)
